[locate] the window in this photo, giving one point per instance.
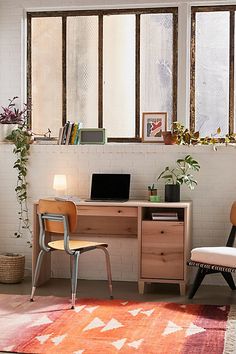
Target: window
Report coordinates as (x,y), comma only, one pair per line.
(102,68)
(212,70)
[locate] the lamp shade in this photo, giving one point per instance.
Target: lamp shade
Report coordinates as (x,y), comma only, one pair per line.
(59,183)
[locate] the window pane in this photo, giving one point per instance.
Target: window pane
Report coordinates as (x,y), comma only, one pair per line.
(212,72)
(119,75)
(157,64)
(46,74)
(234,79)
(82,70)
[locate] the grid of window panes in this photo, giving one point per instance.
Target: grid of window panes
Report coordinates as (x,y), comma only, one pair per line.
(119,95)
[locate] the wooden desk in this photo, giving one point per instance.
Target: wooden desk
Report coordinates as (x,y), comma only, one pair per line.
(164,246)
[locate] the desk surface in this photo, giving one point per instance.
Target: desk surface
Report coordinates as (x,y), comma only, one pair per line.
(135,203)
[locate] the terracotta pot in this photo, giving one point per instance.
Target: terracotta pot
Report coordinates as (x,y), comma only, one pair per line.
(168,138)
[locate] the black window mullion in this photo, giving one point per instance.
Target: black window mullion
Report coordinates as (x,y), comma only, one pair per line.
(100,71)
(64,74)
(137,76)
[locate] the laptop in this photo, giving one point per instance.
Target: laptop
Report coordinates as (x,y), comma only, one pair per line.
(110,187)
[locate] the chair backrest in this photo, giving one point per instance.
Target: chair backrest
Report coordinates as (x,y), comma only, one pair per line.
(60,208)
(233,214)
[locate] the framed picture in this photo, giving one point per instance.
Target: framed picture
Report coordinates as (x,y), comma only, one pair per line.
(154,123)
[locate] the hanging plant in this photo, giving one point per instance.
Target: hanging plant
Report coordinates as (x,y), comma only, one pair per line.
(21,138)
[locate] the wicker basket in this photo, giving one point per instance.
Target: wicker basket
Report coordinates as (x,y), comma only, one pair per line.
(12,268)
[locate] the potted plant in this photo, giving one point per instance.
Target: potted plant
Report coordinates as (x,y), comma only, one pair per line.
(11,264)
(184,136)
(10,118)
(174,177)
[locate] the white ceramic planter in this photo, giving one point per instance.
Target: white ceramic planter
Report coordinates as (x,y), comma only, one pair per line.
(5,130)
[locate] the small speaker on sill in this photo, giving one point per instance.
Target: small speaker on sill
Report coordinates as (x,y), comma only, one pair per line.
(92,136)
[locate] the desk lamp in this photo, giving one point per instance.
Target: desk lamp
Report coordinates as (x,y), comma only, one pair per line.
(60,185)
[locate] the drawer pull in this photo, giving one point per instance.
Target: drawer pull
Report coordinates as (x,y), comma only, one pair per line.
(119,211)
(162,232)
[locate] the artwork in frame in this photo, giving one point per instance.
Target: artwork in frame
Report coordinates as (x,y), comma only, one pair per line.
(154,123)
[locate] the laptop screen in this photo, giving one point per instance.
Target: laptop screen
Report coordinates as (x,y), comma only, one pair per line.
(110,186)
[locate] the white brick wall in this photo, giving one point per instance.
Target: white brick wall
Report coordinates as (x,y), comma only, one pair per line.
(212,198)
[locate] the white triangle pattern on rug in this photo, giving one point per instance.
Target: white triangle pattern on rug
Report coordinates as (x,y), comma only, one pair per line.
(95,323)
(124,303)
(41,321)
(79,308)
(79,352)
(135,311)
(222,308)
(171,328)
(148,312)
(57,340)
(193,329)
(112,324)
(43,339)
(118,344)
(91,309)
(136,344)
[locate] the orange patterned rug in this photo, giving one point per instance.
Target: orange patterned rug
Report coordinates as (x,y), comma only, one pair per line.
(48,325)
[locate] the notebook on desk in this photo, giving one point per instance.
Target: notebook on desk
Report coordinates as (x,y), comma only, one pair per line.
(109,187)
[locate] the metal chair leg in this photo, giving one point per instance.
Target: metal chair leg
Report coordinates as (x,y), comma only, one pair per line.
(108,265)
(74,278)
(229,279)
(197,281)
(36,273)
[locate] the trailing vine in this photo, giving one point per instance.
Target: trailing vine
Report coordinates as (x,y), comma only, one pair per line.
(21,138)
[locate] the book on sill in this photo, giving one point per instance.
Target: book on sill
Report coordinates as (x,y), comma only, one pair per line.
(72,198)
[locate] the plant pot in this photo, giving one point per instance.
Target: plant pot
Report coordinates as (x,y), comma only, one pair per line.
(172,193)
(12,268)
(152,192)
(5,130)
(168,138)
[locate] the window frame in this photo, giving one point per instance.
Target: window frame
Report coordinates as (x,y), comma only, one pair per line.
(195,9)
(100,13)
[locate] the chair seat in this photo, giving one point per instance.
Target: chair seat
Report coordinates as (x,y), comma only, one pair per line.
(74,244)
(222,256)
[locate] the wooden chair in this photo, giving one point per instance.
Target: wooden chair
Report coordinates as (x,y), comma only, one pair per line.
(215,259)
(60,217)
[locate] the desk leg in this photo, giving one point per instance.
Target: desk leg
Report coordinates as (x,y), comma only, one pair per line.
(182,289)
(141,286)
(45,272)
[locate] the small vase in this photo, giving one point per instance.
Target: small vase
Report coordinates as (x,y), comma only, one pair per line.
(172,193)
(5,130)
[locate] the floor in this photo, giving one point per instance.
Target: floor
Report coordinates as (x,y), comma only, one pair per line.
(207,294)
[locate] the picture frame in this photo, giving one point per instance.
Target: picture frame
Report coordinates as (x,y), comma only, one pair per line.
(154,123)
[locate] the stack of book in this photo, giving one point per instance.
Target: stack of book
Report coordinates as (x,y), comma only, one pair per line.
(69,134)
(165,216)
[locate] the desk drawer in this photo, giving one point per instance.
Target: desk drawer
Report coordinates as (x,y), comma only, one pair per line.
(107,211)
(162,253)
